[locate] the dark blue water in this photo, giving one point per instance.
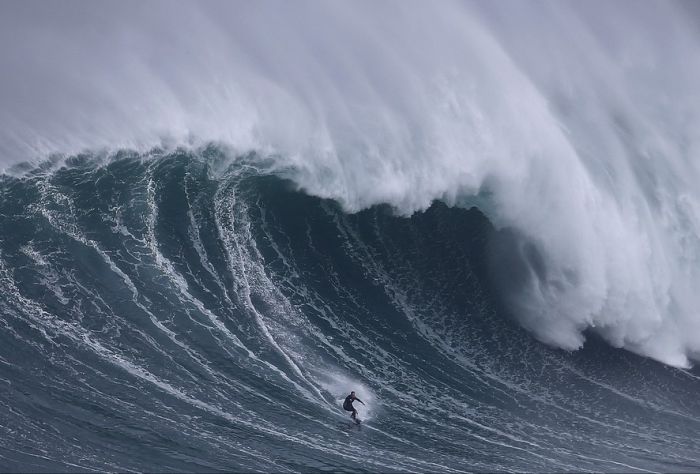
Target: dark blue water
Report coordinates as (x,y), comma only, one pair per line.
(188,312)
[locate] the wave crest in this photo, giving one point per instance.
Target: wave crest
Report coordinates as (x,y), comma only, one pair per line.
(576,133)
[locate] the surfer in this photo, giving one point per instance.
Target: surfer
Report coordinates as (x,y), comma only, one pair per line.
(347,404)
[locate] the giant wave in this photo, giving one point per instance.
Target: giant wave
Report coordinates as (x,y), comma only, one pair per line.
(190,311)
(579,122)
(218,217)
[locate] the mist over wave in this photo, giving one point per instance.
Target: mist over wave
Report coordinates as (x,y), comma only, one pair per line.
(573,126)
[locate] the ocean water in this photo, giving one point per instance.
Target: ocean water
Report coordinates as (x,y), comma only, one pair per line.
(184,311)
(218,219)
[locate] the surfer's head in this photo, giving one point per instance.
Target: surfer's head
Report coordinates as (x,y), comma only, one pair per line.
(352,393)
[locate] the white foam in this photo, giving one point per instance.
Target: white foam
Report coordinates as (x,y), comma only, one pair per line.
(574,123)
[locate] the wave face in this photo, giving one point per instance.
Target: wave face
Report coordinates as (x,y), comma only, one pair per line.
(188,311)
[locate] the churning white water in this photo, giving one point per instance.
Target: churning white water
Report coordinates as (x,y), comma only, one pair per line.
(576,125)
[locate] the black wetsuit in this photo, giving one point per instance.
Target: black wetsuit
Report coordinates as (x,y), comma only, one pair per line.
(347,404)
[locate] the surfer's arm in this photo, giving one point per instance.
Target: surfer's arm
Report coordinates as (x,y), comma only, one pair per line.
(359,400)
